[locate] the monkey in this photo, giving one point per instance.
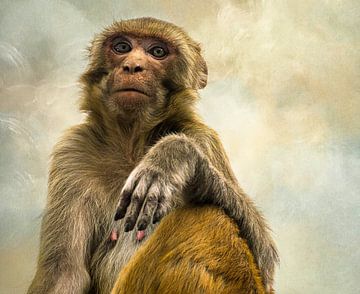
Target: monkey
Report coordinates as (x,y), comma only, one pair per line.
(141,152)
(195,249)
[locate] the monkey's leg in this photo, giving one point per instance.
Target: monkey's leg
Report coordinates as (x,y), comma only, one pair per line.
(193,250)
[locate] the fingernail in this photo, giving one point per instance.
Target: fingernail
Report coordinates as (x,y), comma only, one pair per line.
(128,227)
(119,215)
(142,226)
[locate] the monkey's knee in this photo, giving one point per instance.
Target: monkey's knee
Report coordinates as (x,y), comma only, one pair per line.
(193,250)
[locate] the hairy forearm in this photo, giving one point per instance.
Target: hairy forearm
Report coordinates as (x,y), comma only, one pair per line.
(62,257)
(49,280)
(219,186)
(231,198)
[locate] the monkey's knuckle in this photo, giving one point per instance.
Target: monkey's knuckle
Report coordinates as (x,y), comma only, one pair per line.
(152,198)
(158,185)
(144,217)
(168,190)
(159,215)
(125,193)
(156,216)
(142,171)
(161,197)
(136,198)
(129,220)
(152,172)
(134,175)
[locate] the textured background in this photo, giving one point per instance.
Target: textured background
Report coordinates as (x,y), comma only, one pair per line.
(283,93)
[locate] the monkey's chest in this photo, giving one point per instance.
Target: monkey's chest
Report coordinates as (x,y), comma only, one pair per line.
(110,254)
(111,247)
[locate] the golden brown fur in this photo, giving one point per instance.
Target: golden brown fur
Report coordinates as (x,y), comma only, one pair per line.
(194,250)
(96,159)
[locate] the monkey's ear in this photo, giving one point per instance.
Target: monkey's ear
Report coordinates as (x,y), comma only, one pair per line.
(203,73)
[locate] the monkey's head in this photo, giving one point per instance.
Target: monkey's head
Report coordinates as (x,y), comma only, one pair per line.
(136,65)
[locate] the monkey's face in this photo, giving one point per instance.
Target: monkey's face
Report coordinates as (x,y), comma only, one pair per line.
(136,70)
(136,65)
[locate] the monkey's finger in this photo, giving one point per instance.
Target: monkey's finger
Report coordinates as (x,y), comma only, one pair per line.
(150,205)
(123,205)
(137,201)
(161,210)
(125,196)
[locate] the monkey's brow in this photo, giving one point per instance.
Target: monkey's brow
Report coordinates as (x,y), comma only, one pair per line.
(126,37)
(119,37)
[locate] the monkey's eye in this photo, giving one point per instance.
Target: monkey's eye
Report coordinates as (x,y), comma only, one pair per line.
(158,52)
(121,47)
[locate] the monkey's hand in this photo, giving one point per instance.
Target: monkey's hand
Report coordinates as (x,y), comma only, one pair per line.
(176,170)
(156,185)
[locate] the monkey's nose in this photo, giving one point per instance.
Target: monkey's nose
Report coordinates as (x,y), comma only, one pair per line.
(134,68)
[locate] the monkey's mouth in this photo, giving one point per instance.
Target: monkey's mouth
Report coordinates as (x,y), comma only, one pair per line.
(130,97)
(130,90)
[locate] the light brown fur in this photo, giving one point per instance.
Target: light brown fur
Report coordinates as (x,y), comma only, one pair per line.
(97,161)
(194,250)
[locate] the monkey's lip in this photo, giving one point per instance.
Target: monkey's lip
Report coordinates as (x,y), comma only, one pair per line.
(130,90)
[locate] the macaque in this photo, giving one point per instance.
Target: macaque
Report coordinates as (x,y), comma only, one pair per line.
(141,153)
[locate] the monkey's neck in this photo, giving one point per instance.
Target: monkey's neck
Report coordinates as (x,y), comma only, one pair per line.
(132,136)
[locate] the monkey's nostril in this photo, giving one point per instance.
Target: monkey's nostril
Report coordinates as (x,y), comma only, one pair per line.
(138,68)
(132,69)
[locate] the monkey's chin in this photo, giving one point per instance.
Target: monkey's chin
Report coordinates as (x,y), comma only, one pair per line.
(130,100)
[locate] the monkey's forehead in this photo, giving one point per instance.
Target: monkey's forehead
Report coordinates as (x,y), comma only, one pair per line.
(149,27)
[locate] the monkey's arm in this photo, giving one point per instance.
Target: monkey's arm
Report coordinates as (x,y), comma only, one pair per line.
(228,194)
(181,165)
(62,259)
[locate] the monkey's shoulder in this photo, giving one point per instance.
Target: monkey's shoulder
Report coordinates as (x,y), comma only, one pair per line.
(77,148)
(82,153)
(81,138)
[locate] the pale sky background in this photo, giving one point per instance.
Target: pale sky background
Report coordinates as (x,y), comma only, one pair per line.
(283,93)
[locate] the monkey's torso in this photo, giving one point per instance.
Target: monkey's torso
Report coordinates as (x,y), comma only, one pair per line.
(109,257)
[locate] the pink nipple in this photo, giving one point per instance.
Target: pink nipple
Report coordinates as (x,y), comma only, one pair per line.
(140,235)
(113,235)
